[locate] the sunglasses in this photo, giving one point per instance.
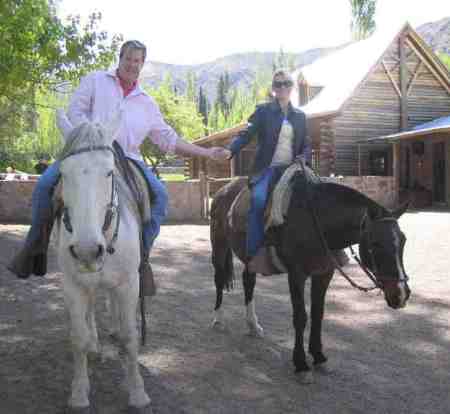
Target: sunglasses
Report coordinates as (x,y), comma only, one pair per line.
(280,84)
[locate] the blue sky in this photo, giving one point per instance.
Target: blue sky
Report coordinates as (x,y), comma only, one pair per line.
(198,31)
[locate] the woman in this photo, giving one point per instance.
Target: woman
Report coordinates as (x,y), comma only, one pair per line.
(280,131)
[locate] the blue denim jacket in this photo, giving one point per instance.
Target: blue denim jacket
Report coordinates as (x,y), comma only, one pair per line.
(265,125)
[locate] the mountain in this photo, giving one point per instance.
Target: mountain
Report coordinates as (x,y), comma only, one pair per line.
(243,67)
(437,34)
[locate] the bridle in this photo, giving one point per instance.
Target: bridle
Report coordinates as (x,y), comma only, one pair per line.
(371,255)
(371,274)
(112,208)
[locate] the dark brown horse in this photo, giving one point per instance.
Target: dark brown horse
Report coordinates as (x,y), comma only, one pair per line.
(322,217)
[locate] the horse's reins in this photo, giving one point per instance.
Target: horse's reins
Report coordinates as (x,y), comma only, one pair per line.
(113,210)
(330,255)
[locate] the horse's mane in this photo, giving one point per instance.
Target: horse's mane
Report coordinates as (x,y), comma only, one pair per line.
(324,189)
(86,135)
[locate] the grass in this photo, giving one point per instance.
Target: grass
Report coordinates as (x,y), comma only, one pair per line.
(172,177)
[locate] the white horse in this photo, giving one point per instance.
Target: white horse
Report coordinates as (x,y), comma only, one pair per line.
(98,245)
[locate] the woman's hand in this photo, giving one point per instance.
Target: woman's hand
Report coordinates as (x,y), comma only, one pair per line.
(219,153)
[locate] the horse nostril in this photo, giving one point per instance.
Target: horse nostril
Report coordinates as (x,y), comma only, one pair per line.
(100,251)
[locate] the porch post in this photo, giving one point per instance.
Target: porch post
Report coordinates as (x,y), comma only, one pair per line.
(396,171)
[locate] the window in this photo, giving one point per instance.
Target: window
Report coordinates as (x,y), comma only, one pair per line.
(378,163)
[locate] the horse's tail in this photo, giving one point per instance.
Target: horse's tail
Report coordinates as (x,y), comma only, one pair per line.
(222,255)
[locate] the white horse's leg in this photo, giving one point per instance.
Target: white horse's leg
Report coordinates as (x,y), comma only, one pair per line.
(92,326)
(252,320)
(219,319)
(77,302)
(127,298)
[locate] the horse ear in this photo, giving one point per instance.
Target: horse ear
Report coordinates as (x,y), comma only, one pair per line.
(64,125)
(400,210)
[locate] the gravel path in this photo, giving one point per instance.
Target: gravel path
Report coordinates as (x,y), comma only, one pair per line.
(384,361)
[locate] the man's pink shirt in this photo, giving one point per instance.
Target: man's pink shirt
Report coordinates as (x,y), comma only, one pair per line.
(100,96)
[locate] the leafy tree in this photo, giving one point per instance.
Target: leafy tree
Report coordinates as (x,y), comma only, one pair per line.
(180,113)
(362,24)
(446,59)
(38,52)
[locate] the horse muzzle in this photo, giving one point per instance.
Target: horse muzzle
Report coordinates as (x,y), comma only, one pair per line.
(396,293)
(89,257)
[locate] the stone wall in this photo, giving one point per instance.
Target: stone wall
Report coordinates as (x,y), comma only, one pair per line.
(380,189)
(15,201)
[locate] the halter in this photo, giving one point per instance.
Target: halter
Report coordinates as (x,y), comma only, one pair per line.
(113,207)
(378,284)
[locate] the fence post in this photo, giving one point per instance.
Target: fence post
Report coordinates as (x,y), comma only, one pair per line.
(202,184)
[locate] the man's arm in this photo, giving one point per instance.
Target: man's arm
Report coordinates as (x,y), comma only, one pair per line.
(167,140)
(80,105)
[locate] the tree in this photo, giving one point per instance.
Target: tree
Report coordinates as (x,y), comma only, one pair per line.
(191,87)
(180,113)
(283,60)
(362,24)
(203,106)
(39,51)
(446,59)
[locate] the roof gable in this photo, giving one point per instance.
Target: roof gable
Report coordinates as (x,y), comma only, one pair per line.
(343,72)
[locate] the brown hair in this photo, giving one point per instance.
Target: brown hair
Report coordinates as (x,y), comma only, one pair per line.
(133,44)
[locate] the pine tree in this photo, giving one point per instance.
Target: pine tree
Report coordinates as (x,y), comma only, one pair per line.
(203,106)
(362,24)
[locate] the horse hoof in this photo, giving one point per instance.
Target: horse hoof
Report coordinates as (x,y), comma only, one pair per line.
(323,369)
(79,410)
(218,325)
(140,410)
(305,377)
(256,331)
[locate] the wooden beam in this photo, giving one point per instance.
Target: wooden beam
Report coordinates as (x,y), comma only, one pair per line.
(415,75)
(403,85)
(428,65)
(391,79)
(396,170)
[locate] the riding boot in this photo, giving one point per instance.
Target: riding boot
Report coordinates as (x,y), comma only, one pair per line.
(32,258)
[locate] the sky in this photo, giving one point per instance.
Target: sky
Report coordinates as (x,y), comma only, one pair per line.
(199,31)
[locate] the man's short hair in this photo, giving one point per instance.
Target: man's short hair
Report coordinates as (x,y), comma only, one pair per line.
(282,72)
(133,44)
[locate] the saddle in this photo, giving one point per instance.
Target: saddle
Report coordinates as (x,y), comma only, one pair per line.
(278,202)
(268,261)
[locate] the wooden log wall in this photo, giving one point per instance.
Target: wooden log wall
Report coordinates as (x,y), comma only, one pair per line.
(375,109)
(327,150)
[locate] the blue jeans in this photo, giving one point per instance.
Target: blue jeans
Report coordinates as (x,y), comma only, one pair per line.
(42,203)
(258,201)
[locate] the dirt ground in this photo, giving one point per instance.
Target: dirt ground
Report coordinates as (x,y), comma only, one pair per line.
(383,361)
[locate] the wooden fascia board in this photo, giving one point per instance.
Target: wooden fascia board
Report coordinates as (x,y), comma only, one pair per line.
(429,58)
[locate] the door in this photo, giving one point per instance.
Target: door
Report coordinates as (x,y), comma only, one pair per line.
(439,183)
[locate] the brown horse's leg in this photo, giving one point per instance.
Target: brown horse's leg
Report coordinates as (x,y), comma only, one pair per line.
(249,281)
(319,286)
(297,288)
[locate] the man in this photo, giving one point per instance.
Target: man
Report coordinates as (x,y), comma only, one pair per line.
(280,130)
(99,95)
